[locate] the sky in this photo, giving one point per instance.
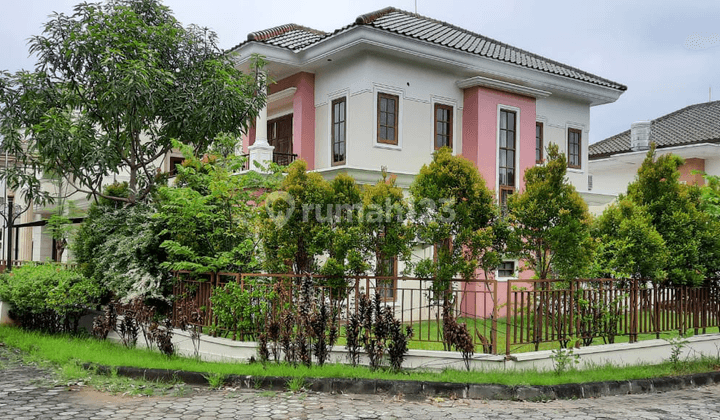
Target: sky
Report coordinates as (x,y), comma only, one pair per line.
(666,52)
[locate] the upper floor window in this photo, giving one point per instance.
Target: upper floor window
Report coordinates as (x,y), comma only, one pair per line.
(175,161)
(539,147)
(338,131)
(387,119)
(506,155)
(574,148)
(443,126)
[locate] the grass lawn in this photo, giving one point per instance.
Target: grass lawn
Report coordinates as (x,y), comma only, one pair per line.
(427,334)
(65,352)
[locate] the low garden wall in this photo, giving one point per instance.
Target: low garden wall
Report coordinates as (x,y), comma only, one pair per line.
(620,354)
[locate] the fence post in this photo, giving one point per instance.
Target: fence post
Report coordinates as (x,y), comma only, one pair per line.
(634,290)
(495,314)
(507,321)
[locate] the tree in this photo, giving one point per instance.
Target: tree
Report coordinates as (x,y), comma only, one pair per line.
(692,236)
(113,85)
(387,233)
(209,215)
(629,246)
(118,247)
(551,221)
(455,211)
(292,222)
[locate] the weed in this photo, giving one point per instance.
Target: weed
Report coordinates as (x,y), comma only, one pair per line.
(296,384)
(268,394)
(215,380)
(257,383)
(677,344)
(564,359)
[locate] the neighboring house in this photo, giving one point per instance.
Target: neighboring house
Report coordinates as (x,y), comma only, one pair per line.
(391,87)
(692,133)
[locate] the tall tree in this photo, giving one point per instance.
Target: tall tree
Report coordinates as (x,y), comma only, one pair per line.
(455,211)
(692,236)
(292,221)
(629,246)
(114,84)
(551,221)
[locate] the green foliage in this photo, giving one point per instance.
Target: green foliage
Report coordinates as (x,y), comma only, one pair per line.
(564,360)
(455,210)
(209,215)
(48,296)
(385,225)
(551,221)
(691,235)
(114,83)
(629,246)
(241,309)
(710,195)
(291,223)
(119,248)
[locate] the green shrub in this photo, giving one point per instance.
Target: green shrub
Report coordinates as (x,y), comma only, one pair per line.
(241,310)
(48,297)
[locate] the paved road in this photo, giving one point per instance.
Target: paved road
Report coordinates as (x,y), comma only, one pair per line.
(26,392)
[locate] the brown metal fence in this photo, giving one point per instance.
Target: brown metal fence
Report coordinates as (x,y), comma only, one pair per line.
(474,302)
(602,309)
(500,317)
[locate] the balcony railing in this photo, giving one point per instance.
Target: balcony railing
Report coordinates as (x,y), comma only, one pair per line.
(282,159)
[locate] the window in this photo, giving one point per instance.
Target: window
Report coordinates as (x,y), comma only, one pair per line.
(506,156)
(443,126)
(574,148)
(387,118)
(506,269)
(539,142)
(338,131)
(175,161)
(387,288)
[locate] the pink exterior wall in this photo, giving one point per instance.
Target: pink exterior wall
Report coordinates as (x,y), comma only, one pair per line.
(303,115)
(479,145)
(480,117)
(304,119)
(686,171)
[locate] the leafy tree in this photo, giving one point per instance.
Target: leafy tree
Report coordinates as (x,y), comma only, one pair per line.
(292,223)
(455,211)
(691,235)
(209,215)
(114,83)
(710,195)
(629,246)
(118,247)
(385,224)
(551,221)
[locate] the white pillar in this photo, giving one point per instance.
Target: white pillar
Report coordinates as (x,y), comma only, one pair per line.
(261,151)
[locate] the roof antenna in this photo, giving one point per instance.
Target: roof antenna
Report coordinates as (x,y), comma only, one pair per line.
(416,7)
(710,94)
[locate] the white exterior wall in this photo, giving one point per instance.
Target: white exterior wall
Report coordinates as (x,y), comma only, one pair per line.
(558,115)
(360,80)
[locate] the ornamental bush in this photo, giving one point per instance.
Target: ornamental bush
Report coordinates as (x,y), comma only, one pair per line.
(48,297)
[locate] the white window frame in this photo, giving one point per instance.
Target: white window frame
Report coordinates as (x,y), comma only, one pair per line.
(331,97)
(516,110)
(388,90)
(514,276)
(447,102)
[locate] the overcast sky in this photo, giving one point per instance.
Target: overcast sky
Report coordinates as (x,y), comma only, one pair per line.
(666,52)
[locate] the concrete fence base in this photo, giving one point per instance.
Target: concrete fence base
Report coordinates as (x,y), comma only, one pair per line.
(4,316)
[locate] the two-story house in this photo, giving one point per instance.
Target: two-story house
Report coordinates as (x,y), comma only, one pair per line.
(391,87)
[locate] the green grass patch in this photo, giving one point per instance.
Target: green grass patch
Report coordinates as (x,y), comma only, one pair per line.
(68,351)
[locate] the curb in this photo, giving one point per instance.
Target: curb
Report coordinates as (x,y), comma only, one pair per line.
(414,390)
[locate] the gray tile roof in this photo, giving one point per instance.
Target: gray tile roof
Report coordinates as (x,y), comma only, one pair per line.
(698,123)
(412,25)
